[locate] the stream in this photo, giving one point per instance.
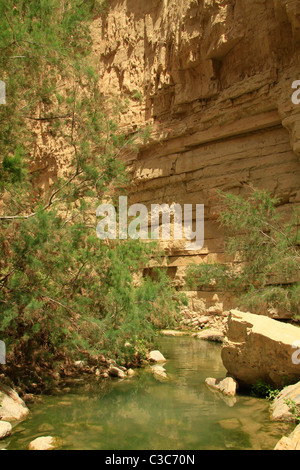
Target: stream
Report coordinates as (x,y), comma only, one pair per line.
(148,413)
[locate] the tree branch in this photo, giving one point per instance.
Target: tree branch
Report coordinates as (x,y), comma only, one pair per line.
(49,204)
(47,118)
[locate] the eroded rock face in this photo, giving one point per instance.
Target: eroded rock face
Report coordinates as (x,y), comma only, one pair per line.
(213,79)
(257,347)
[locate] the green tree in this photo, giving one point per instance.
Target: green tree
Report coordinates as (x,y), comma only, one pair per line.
(262,255)
(64,294)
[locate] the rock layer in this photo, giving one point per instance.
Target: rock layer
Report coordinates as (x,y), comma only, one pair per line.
(257,347)
(214,80)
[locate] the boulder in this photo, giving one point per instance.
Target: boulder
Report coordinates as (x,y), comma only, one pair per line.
(226,385)
(292,442)
(5,429)
(204,319)
(117,372)
(44,443)
(286,406)
(156,356)
(211,334)
(12,407)
(257,347)
(217,309)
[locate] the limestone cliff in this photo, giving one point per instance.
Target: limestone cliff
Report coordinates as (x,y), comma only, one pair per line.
(213,79)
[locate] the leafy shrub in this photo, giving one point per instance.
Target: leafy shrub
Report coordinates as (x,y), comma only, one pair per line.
(64,294)
(262,255)
(263,390)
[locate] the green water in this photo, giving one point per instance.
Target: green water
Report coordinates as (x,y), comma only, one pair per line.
(150,414)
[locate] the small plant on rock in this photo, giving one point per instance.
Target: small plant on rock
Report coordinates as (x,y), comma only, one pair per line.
(263,390)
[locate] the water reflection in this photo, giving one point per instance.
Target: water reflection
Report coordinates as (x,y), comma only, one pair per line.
(180,413)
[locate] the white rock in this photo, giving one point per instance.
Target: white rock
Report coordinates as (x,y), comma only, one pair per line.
(43,443)
(5,429)
(12,407)
(156,356)
(226,385)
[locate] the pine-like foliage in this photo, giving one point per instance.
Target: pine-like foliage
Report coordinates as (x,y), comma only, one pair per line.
(262,267)
(64,294)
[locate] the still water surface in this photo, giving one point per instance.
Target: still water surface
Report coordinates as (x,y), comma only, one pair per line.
(148,413)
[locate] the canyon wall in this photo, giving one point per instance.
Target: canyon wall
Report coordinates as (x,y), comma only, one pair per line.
(213,80)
